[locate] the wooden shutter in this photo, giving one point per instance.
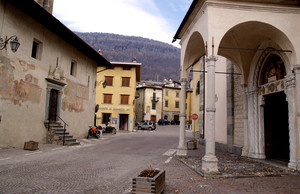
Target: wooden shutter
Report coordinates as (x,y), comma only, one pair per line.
(107,98)
(109,80)
(126,81)
(124,99)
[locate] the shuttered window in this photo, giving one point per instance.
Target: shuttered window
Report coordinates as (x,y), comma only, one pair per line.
(109,80)
(124,99)
(176,104)
(125,81)
(107,98)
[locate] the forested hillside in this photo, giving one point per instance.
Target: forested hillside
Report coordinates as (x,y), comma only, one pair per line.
(158,59)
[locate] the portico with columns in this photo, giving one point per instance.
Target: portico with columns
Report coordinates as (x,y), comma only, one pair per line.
(261,40)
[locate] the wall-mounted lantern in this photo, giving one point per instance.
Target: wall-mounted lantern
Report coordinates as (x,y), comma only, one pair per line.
(13,41)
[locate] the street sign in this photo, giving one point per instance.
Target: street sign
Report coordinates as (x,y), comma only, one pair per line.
(194,116)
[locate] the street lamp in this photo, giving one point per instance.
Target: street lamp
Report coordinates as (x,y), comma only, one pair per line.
(13,41)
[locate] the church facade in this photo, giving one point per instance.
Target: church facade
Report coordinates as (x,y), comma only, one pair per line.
(260,41)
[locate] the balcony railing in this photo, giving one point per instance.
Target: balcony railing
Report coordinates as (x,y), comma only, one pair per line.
(155,99)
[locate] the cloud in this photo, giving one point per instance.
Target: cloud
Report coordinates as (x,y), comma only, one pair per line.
(126,17)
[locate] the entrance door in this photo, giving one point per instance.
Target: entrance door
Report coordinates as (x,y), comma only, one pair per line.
(53,105)
(153,118)
(123,122)
(276,127)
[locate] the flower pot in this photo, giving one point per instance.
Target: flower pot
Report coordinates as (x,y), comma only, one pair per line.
(154,184)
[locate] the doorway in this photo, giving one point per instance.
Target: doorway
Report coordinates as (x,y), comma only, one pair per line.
(276,127)
(123,122)
(53,102)
(153,118)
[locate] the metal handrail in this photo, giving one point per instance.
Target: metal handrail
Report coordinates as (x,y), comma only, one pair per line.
(65,124)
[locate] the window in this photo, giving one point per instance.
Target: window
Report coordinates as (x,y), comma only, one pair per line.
(167,92)
(107,98)
(109,80)
(124,99)
(105,118)
(125,81)
(126,68)
(176,104)
(73,68)
(36,49)
(166,103)
(177,94)
(153,106)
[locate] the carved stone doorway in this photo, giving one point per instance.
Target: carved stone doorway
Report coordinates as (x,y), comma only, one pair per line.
(53,102)
(276,127)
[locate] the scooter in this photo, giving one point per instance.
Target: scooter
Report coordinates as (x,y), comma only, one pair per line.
(94,131)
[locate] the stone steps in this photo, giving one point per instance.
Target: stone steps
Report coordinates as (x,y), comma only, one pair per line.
(57,135)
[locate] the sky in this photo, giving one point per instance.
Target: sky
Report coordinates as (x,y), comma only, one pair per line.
(154,19)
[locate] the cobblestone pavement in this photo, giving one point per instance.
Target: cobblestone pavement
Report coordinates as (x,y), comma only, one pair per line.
(107,166)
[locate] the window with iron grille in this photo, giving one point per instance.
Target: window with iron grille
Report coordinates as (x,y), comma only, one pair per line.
(109,80)
(124,99)
(125,81)
(107,98)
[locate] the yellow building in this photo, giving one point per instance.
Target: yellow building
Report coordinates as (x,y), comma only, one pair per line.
(189,103)
(171,103)
(115,94)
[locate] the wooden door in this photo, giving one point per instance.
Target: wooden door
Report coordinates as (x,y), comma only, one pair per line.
(53,105)
(153,118)
(123,122)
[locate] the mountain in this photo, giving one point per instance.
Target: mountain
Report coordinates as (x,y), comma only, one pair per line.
(159,60)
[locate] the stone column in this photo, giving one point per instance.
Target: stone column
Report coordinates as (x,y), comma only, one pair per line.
(182,150)
(245,150)
(297,74)
(291,99)
(210,161)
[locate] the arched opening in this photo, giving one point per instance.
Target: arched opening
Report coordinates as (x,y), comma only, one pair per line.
(276,126)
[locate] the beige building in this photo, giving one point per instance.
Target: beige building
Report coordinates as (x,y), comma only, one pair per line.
(149,102)
(171,102)
(257,44)
(50,77)
(115,94)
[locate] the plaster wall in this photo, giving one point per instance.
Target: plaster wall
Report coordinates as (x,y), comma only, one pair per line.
(23,86)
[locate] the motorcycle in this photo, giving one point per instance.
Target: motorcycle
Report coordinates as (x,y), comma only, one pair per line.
(94,131)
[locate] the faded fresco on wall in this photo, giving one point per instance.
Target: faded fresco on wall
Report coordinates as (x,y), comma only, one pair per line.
(18,91)
(76,97)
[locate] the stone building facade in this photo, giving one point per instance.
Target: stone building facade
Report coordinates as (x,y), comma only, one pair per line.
(261,40)
(50,77)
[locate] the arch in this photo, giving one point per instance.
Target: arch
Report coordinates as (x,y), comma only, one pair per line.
(242,43)
(194,51)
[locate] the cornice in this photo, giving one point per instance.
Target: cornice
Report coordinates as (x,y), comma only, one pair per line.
(254,7)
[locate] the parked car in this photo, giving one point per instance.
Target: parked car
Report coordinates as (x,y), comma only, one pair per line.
(164,122)
(150,125)
(175,122)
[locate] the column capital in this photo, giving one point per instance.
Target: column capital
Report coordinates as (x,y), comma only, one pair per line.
(290,81)
(211,58)
(183,80)
(296,68)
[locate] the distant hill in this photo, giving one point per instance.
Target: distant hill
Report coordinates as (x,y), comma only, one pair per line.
(159,60)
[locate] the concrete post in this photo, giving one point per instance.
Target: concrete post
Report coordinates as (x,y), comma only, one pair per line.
(210,161)
(182,150)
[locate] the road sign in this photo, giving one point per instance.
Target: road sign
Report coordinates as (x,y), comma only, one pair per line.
(194,116)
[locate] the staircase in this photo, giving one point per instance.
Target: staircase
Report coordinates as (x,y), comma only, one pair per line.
(56,135)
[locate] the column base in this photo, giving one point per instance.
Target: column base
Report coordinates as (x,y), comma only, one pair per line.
(210,165)
(293,165)
(257,155)
(245,152)
(181,151)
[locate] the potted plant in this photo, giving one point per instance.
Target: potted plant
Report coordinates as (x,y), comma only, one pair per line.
(149,181)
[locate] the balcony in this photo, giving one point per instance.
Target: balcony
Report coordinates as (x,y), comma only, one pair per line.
(155,99)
